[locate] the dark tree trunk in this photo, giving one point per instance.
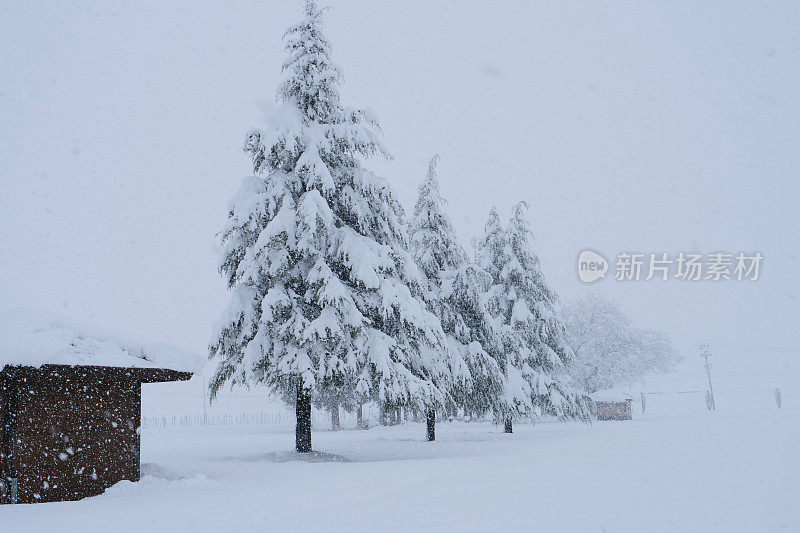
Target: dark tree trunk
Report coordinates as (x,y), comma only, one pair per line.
(336,425)
(303,429)
(360,424)
(509,427)
(431,417)
(384,416)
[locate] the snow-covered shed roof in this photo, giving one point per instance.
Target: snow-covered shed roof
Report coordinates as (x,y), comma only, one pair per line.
(611,395)
(33,338)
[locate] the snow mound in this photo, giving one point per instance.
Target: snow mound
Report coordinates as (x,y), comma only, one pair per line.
(149,484)
(33,337)
(290,456)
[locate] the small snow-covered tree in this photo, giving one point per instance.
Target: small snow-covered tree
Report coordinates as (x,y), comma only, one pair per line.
(609,350)
(457,289)
(325,298)
(534,334)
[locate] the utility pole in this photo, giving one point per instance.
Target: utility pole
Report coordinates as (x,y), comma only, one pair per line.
(705,352)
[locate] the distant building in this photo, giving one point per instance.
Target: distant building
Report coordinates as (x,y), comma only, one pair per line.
(612,405)
(70,406)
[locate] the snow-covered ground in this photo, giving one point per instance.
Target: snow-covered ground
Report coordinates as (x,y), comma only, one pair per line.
(691,470)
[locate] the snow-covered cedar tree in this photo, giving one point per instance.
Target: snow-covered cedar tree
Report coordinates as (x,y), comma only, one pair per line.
(608,350)
(325,298)
(491,254)
(537,356)
(457,296)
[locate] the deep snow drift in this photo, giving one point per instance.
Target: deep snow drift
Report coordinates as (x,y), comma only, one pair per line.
(733,470)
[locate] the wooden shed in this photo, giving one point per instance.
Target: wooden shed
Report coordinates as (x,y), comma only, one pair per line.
(70,406)
(612,405)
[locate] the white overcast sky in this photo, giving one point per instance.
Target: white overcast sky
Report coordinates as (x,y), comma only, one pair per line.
(628,126)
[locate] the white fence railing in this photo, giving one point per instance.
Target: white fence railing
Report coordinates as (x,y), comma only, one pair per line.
(319,419)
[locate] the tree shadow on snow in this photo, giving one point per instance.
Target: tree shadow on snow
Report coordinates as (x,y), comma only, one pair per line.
(289,456)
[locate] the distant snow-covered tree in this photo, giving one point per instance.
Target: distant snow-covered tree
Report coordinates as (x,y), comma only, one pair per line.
(609,350)
(325,298)
(457,296)
(536,350)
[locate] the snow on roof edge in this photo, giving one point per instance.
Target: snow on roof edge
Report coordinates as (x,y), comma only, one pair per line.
(34,337)
(611,395)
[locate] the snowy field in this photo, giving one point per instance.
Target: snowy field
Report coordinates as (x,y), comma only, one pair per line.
(634,131)
(731,470)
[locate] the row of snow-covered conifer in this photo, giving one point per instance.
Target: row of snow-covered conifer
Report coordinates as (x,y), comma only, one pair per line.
(338,299)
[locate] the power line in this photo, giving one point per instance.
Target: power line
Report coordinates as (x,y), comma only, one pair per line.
(755,348)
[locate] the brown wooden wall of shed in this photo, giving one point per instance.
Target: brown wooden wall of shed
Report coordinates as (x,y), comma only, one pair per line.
(614,410)
(6,438)
(77,434)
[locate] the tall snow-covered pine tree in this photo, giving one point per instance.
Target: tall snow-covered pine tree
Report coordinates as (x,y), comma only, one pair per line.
(325,298)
